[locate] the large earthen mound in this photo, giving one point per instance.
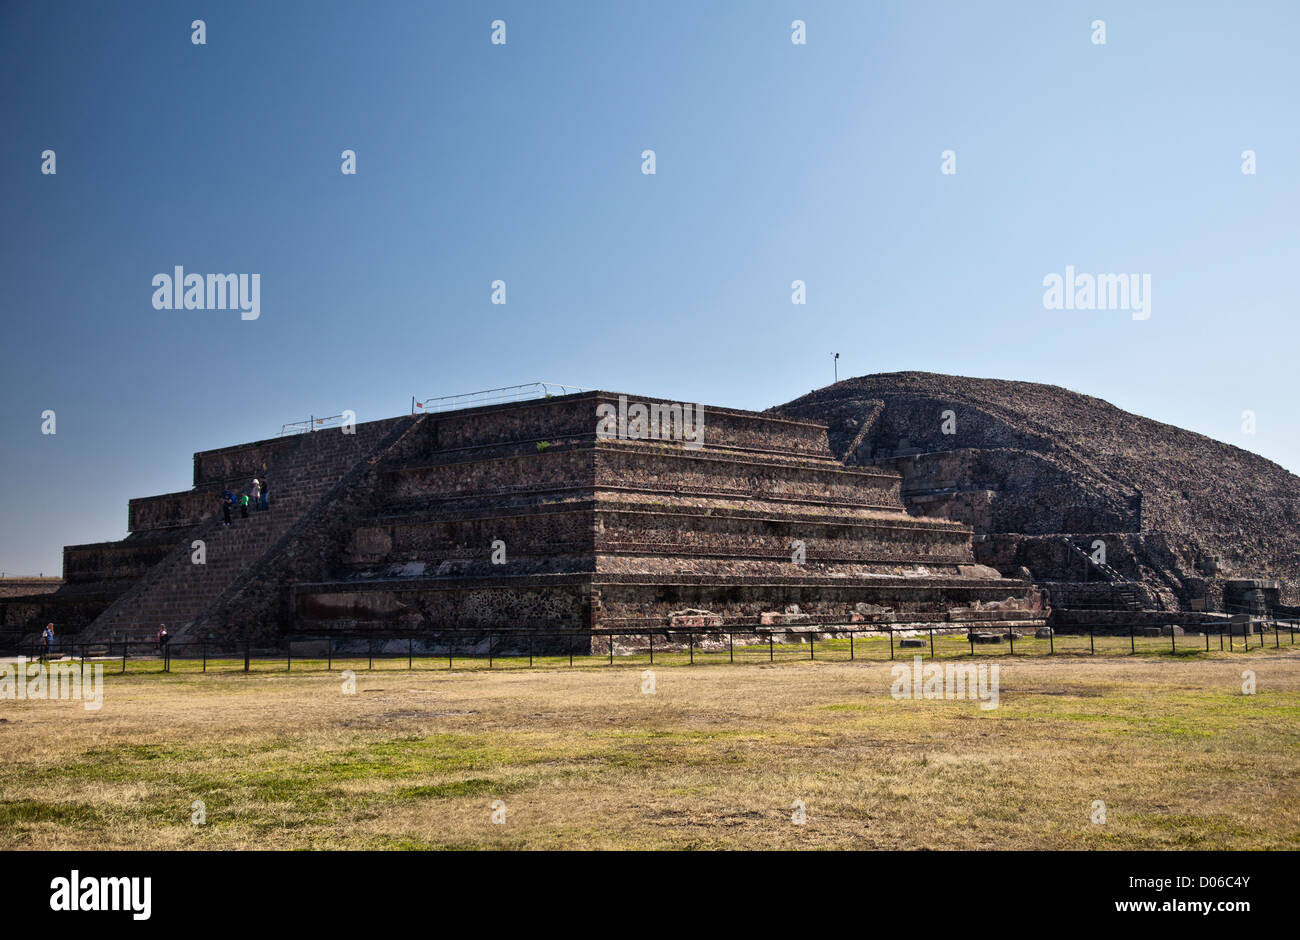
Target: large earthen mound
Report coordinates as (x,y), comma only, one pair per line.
(1189,514)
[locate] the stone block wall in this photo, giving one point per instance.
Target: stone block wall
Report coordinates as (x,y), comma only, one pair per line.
(762,535)
(574,416)
(742,602)
(556,603)
(23,587)
(127,559)
(241,462)
(562,466)
(533,536)
(640,467)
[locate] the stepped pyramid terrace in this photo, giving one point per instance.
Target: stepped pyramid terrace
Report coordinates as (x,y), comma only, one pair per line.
(537,514)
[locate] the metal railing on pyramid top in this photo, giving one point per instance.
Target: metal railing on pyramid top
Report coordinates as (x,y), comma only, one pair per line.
(310,424)
(493,396)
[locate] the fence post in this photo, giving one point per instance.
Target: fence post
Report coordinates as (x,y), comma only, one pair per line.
(1277,638)
(611,649)
(410,653)
(329,655)
(530,649)
(852,634)
(1051,642)
(1207,639)
(124,657)
(570,650)
(652,649)
(731,647)
(1011,634)
(889,628)
(370,651)
(1173,640)
(1092,640)
(970,636)
(288,655)
(247,653)
(932,642)
(204,646)
(83,663)
(1132,642)
(489,649)
(812,643)
(691,635)
(771,648)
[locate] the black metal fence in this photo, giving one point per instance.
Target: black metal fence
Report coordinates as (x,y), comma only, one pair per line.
(686,646)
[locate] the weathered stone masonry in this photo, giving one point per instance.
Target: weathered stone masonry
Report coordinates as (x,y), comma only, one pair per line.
(390,531)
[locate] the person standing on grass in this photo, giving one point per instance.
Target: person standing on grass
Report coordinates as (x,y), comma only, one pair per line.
(243,505)
(161,639)
(256,493)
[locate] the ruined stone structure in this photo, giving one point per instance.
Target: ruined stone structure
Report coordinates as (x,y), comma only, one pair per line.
(1047,477)
(521,515)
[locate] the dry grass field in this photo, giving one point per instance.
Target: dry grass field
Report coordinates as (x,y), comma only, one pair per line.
(715,758)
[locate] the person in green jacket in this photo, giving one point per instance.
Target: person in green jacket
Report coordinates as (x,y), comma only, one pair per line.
(243,505)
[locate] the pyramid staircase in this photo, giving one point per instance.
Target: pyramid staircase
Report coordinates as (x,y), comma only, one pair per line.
(1120,592)
(176,592)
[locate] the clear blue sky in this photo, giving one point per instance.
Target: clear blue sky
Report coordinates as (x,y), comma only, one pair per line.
(522,162)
